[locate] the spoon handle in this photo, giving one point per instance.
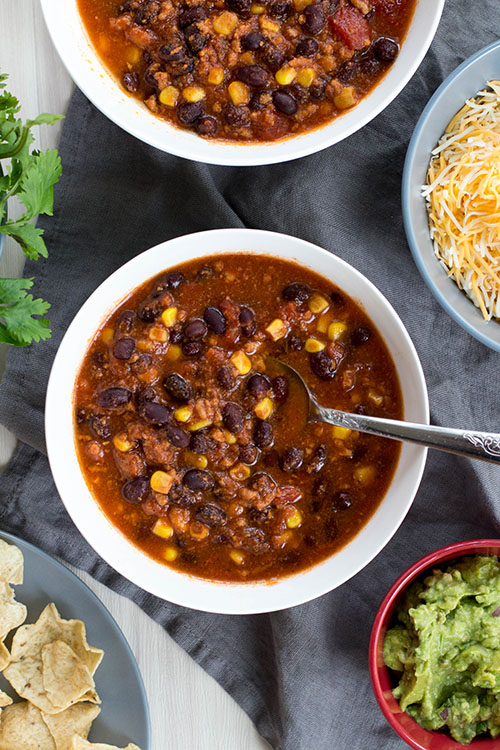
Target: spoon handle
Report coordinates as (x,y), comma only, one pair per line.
(482,445)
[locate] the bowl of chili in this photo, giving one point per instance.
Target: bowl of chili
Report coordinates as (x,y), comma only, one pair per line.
(242,85)
(184,460)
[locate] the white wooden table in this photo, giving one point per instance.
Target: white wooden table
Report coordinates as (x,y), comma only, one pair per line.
(189,710)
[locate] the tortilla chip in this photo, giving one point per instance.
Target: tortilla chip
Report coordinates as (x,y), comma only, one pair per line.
(25,670)
(79,744)
(11,563)
(76,720)
(4,656)
(22,728)
(65,677)
(5,700)
(12,613)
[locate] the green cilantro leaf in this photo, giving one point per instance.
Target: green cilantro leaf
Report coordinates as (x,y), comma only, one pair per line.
(28,236)
(41,173)
(21,317)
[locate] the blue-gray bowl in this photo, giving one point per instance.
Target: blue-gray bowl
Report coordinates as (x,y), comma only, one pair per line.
(463,83)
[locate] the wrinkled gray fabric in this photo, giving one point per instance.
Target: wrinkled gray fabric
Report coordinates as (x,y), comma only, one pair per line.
(300,674)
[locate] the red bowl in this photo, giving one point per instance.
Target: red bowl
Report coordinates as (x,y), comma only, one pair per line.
(408,729)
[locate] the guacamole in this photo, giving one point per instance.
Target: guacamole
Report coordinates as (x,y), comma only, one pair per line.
(446,645)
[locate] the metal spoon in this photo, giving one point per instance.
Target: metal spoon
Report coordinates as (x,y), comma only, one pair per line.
(482,445)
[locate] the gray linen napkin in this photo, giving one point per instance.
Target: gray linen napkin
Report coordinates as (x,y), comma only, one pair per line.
(301,674)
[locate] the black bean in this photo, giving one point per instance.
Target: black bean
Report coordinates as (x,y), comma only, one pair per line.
(177,387)
(131,82)
(284,102)
(260,100)
(99,359)
(176,335)
(146,394)
(172,280)
(215,320)
(280,388)
(198,480)
(253,540)
(280,10)
(150,76)
(273,58)
(306,47)
(263,434)
(192,348)
(178,495)
(196,41)
(360,336)
(296,292)
(247,322)
(188,112)
(126,321)
(258,385)
(347,71)
(295,344)
(225,378)
(361,409)
(100,427)
(252,41)
(207,125)
(385,49)
(322,365)
(211,515)
(314,18)
(124,348)
(292,459)
(136,490)
(192,14)
(156,413)
(253,75)
(248,454)
(317,89)
(242,7)
(342,501)
(260,516)
(317,460)
(201,443)
(195,329)
(337,299)
(299,93)
(148,311)
(233,417)
(176,436)
(236,117)
(172,52)
(141,363)
(205,273)
(111,398)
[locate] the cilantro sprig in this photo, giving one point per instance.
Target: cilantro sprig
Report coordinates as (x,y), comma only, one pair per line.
(29,175)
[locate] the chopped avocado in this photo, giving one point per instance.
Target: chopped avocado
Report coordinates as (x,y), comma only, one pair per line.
(446,644)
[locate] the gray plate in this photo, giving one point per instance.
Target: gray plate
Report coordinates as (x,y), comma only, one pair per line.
(124,713)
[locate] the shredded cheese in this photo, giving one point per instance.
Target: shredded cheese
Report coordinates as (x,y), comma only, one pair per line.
(463,199)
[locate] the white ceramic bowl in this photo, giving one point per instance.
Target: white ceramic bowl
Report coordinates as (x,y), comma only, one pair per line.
(93,78)
(113,546)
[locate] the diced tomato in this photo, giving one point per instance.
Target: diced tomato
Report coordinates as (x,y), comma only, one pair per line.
(351,26)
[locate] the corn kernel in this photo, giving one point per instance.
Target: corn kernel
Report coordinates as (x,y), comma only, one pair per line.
(240,471)
(323,324)
(170,554)
(193,94)
(277,329)
(306,76)
(238,92)
(294,519)
(198,530)
(365,474)
(169,316)
(375,398)
(158,333)
(199,425)
(169,96)
(162,482)
(225,23)
(341,433)
(134,54)
(163,529)
(285,75)
(346,99)
(300,5)
(257,9)
(216,75)
(237,557)
(230,438)
(336,330)
(264,408)
(199,461)
(183,413)
(122,443)
(107,335)
(174,352)
(317,304)
(313,345)
(267,25)
(241,362)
